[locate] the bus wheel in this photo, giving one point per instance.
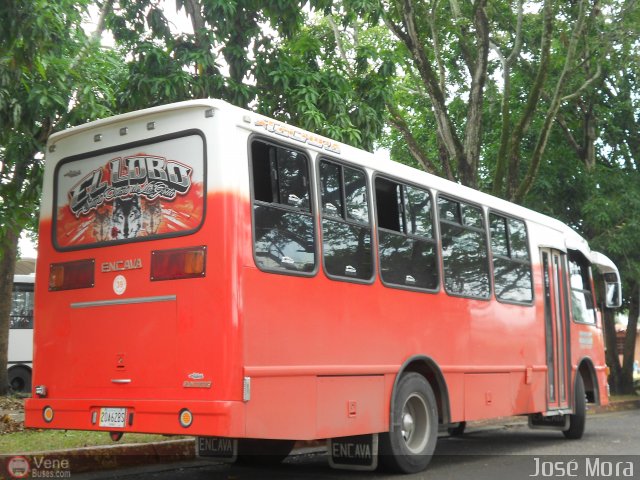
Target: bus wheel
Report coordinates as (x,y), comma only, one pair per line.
(458,430)
(408,447)
(20,379)
(263,452)
(578,418)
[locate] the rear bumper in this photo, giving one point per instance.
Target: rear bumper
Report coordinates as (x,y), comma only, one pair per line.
(216,418)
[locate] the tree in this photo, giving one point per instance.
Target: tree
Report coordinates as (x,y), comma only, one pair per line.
(447,79)
(51,76)
(598,141)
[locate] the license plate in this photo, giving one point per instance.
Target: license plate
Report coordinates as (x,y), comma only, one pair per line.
(113,417)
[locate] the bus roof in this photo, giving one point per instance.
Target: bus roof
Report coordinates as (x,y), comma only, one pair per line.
(255,122)
(24,278)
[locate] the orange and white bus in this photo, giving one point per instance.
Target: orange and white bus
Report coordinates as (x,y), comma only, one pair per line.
(215,273)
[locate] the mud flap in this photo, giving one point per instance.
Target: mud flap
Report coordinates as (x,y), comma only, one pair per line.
(220,449)
(359,452)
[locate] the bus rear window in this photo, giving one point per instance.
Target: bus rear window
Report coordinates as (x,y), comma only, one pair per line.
(136,192)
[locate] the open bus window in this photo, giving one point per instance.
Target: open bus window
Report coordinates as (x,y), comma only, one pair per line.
(464,249)
(346,232)
(21,315)
(407,249)
(582,305)
(284,233)
(511,261)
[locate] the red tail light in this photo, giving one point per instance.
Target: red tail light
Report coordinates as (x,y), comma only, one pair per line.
(178,263)
(71,275)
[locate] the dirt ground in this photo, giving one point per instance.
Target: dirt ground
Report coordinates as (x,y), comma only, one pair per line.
(11,415)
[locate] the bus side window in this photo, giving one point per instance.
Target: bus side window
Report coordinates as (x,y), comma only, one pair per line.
(511,261)
(407,249)
(21,315)
(464,249)
(346,229)
(284,232)
(582,304)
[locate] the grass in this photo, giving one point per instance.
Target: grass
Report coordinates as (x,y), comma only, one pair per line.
(621,398)
(42,440)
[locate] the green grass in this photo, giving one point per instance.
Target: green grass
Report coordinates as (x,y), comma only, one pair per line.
(42,440)
(620,398)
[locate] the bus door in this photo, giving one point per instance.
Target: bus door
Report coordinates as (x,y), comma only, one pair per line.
(556,314)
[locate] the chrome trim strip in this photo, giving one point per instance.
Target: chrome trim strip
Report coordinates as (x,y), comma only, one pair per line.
(124,301)
(120,380)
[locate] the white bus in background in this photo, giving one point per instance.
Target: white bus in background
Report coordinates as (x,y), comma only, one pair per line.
(21,334)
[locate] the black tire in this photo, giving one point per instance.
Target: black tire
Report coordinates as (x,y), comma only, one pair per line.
(458,430)
(20,379)
(263,452)
(409,446)
(577,419)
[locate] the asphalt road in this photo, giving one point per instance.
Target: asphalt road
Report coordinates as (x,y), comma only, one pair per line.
(610,448)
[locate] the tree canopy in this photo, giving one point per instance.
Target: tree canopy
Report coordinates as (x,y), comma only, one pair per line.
(533,101)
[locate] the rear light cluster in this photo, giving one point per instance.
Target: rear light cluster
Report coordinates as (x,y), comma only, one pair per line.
(165,265)
(71,275)
(178,263)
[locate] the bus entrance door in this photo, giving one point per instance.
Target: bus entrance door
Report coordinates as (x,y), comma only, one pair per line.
(556,312)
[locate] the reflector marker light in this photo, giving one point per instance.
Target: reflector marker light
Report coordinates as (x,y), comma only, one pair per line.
(71,275)
(47,414)
(178,263)
(185,417)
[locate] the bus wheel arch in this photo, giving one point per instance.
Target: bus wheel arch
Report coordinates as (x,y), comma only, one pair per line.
(20,378)
(590,380)
(429,369)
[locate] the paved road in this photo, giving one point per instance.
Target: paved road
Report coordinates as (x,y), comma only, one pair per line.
(494,452)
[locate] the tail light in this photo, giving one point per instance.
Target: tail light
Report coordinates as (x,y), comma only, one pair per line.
(71,275)
(178,263)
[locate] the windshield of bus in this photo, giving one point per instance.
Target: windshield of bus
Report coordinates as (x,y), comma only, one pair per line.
(133,192)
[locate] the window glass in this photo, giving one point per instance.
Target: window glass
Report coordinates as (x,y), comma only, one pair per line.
(472,216)
(518,239)
(511,268)
(284,240)
(293,179)
(449,210)
(142,191)
(464,256)
(498,226)
(418,208)
(512,280)
(21,315)
(284,231)
(346,242)
(408,262)
(347,249)
(579,276)
(331,189)
(355,187)
(582,305)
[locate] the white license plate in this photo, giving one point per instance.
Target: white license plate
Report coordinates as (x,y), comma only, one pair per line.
(113,417)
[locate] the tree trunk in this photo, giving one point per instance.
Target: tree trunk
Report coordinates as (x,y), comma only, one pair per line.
(621,375)
(626,375)
(8,251)
(611,346)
